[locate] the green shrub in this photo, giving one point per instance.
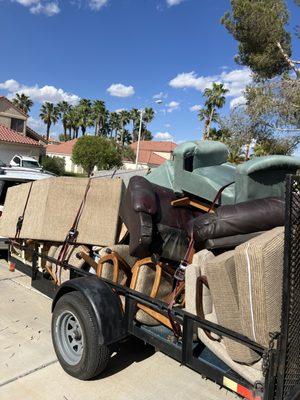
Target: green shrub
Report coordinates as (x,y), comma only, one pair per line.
(56,165)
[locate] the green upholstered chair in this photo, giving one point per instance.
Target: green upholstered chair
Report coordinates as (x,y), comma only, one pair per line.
(200,168)
(264,177)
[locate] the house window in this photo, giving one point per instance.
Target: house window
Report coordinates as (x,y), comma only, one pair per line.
(17,125)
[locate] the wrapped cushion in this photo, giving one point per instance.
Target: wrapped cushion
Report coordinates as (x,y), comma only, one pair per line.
(221,278)
(259,272)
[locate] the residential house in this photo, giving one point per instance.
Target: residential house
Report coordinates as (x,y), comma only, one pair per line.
(15,135)
(152,154)
(64,150)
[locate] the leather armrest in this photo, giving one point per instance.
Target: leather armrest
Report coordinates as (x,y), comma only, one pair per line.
(239,219)
(229,242)
(142,196)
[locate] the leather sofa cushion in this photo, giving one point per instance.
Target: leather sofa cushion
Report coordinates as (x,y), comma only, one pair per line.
(240,219)
(229,242)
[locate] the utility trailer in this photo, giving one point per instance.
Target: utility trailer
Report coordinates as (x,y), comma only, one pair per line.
(89,320)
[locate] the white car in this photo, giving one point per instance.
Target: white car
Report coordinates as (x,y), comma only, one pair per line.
(25,162)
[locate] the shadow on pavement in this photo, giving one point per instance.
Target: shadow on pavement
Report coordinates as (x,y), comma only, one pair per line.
(131,351)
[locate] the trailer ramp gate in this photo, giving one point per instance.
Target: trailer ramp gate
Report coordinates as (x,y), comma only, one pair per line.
(288,374)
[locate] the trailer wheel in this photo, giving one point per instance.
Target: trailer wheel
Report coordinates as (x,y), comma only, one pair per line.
(75,336)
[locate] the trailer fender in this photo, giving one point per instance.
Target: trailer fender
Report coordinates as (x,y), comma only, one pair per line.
(105,304)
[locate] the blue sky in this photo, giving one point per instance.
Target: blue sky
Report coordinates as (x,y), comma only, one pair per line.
(126,52)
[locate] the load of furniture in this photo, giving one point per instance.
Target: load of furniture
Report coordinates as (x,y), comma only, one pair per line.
(200,234)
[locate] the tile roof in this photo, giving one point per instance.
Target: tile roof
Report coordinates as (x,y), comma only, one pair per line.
(13,105)
(148,157)
(10,136)
(155,146)
(61,148)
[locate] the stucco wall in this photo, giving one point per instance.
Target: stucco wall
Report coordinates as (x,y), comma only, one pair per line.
(8,150)
(69,165)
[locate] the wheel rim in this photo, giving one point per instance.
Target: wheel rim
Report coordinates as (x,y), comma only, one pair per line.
(69,337)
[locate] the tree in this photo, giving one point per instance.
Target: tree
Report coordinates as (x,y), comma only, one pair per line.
(85,110)
(238,132)
(215,99)
(49,115)
(23,102)
(96,151)
(275,106)
(128,153)
(148,117)
(124,120)
(114,124)
(56,165)
(73,122)
(271,146)
(260,28)
(135,116)
(64,108)
(100,118)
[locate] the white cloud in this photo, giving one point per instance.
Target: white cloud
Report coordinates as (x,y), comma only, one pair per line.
(195,108)
(97,4)
(238,101)
(235,81)
(160,96)
(39,94)
(27,3)
(48,9)
(10,85)
(173,106)
(163,136)
(191,80)
(174,2)
(120,90)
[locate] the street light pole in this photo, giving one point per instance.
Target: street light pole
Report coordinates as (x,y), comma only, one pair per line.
(139,140)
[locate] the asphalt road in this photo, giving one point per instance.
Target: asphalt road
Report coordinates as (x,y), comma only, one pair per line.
(29,369)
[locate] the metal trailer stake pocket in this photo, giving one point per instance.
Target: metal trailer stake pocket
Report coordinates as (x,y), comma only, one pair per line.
(91,307)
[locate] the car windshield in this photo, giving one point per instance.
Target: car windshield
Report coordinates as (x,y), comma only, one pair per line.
(2,164)
(30,164)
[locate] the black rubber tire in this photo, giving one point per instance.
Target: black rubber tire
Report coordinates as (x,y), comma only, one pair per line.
(94,357)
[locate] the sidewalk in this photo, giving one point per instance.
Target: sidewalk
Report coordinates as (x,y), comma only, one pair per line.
(29,369)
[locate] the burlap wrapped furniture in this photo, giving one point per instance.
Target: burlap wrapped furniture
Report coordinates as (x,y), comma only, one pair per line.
(221,277)
(53,205)
(252,373)
(259,272)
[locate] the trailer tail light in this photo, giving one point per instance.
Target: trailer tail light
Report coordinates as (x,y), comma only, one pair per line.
(11,266)
(240,390)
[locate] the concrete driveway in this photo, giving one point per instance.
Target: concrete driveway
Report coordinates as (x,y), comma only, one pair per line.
(29,369)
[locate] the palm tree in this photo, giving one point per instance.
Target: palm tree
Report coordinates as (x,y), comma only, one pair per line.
(124,120)
(135,116)
(73,121)
(23,102)
(49,115)
(215,99)
(208,115)
(85,110)
(148,117)
(114,123)
(99,116)
(64,108)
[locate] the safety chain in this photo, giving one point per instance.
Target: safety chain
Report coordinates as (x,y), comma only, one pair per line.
(266,356)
